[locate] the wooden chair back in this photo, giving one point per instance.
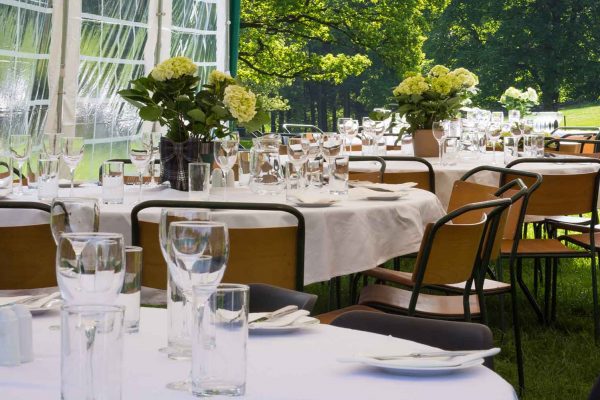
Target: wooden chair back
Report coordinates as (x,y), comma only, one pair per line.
(257,255)
(28,252)
(370,176)
(424,179)
(464,193)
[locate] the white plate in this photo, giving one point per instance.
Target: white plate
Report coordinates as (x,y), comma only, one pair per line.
(308,322)
(145,188)
(315,205)
(387,198)
(395,368)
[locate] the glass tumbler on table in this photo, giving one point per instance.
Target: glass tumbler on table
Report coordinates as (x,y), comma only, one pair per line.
(20,149)
(130,296)
(198,181)
(48,179)
(220,341)
(91,359)
(113,184)
(338,175)
(225,152)
(72,154)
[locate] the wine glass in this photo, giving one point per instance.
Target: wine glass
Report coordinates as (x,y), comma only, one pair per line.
(517,128)
(73,215)
(493,133)
(226,151)
(179,329)
(20,149)
(374,131)
(514,115)
(72,154)
(439,133)
(314,144)
(51,145)
(140,151)
(331,145)
(297,150)
(497,117)
(198,254)
(154,139)
(343,125)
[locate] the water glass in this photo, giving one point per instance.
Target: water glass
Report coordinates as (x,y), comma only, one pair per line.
(198,181)
(6,175)
(244,167)
(130,296)
(48,179)
(451,150)
(511,150)
(338,175)
(295,181)
(113,185)
(219,344)
(538,146)
(314,173)
(91,352)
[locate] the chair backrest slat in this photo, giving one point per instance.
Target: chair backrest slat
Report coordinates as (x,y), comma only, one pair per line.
(424,179)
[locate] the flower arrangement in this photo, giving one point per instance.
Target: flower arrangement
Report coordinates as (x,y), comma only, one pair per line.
(440,94)
(170,95)
(515,99)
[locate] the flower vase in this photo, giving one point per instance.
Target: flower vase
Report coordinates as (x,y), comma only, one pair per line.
(175,157)
(424,144)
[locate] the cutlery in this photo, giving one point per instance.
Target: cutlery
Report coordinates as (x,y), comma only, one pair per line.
(484,353)
(261,317)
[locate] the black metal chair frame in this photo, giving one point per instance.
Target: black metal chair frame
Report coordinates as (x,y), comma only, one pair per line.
(25,205)
(380,160)
(300,234)
(423,161)
(551,279)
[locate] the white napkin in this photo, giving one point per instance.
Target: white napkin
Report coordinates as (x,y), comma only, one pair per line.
(297,317)
(39,302)
(383,187)
(13,299)
(364,193)
(445,359)
(314,198)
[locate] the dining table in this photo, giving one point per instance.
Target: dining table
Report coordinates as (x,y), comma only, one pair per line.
(352,235)
(299,364)
(447,173)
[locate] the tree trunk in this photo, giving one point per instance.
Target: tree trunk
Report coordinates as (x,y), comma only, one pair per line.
(333,110)
(322,108)
(273,122)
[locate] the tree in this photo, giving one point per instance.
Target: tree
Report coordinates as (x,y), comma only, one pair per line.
(330,56)
(551,45)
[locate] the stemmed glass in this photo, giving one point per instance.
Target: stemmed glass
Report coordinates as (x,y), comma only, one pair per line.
(72,154)
(497,118)
(73,215)
(198,253)
(297,151)
(343,126)
(177,349)
(51,145)
(439,133)
(20,149)
(374,131)
(90,268)
(226,151)
(493,133)
(314,151)
(140,151)
(154,139)
(516,130)
(331,146)
(514,115)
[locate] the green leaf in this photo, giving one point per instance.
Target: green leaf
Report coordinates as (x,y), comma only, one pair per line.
(150,113)
(197,115)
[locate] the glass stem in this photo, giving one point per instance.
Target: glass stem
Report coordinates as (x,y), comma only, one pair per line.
(440,152)
(141,175)
(21,175)
(72,170)
(225,183)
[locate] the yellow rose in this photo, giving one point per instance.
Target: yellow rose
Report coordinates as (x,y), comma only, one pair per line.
(240,102)
(412,85)
(174,68)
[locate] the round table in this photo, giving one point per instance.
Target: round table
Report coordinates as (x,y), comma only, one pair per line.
(298,365)
(350,236)
(446,175)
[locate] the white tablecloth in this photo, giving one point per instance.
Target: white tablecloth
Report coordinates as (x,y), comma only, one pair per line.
(348,237)
(446,175)
(301,365)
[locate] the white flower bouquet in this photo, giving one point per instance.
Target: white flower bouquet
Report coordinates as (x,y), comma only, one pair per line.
(440,94)
(515,99)
(170,95)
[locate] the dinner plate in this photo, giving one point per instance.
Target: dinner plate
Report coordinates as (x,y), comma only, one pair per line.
(301,323)
(387,198)
(393,367)
(315,205)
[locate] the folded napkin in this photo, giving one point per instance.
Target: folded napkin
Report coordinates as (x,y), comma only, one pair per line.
(424,360)
(293,318)
(383,187)
(364,193)
(314,198)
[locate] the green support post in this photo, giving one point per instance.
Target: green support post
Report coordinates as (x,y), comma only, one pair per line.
(234,35)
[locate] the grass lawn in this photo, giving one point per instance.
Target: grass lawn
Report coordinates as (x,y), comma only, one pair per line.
(561,361)
(582,115)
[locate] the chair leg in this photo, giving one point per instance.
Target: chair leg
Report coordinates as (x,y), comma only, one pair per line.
(595,300)
(547,290)
(528,295)
(517,331)
(554,280)
(338,292)
(397,263)
(500,277)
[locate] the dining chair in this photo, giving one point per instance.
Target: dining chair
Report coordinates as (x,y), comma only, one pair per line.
(564,194)
(375,177)
(424,178)
(595,392)
(446,335)
(272,255)
(28,251)
(267,298)
(468,234)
